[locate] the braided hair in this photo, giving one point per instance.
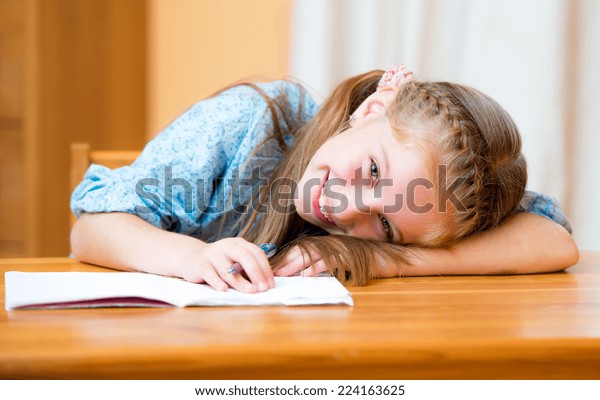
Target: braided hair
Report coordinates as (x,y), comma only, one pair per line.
(474,148)
(457,128)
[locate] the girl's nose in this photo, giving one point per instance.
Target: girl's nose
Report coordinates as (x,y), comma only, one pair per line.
(352,208)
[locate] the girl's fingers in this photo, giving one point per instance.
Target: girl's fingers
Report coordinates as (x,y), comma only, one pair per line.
(293,254)
(249,265)
(291,268)
(295,262)
(212,278)
(264,266)
(236,281)
(215,274)
(213,267)
(317,268)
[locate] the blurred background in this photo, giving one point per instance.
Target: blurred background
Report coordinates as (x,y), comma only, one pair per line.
(114,73)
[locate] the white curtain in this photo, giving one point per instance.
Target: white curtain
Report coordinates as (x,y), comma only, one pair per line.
(535,57)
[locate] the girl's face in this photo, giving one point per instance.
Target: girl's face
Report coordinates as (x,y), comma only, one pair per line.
(364,183)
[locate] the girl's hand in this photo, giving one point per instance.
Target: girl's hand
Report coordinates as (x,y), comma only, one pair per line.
(298,264)
(209,263)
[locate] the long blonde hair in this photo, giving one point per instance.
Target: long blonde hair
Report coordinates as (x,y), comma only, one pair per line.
(467,131)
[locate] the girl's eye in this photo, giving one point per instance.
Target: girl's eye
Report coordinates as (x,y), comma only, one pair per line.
(374,170)
(384,222)
(386,228)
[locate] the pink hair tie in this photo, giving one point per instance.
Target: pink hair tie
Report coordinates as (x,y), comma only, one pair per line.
(395,77)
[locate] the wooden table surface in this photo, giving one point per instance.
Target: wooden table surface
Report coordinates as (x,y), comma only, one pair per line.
(509,327)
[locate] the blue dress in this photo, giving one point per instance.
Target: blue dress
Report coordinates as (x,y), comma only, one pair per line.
(185,179)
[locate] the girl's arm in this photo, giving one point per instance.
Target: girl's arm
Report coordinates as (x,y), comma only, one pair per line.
(144,216)
(536,239)
(126,242)
(524,243)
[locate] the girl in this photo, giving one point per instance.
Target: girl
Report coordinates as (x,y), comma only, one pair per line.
(388,177)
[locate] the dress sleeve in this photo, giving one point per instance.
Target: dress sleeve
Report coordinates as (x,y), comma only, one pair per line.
(171,184)
(180,180)
(544,205)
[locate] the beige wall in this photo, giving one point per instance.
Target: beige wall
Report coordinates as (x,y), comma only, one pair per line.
(111,73)
(70,71)
(196,47)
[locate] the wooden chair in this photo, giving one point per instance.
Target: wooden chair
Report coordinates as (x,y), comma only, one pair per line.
(82,156)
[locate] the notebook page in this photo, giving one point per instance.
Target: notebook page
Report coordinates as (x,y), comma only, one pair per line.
(81,289)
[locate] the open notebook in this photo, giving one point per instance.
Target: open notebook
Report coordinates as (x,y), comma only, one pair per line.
(49,290)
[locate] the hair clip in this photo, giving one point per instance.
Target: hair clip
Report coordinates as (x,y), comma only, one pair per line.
(396,76)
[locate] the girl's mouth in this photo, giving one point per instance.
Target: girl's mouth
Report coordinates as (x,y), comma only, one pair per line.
(319,205)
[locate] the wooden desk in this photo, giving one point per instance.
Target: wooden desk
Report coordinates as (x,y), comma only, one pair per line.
(534,326)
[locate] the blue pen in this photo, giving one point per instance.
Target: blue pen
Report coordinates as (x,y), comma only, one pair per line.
(268,248)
